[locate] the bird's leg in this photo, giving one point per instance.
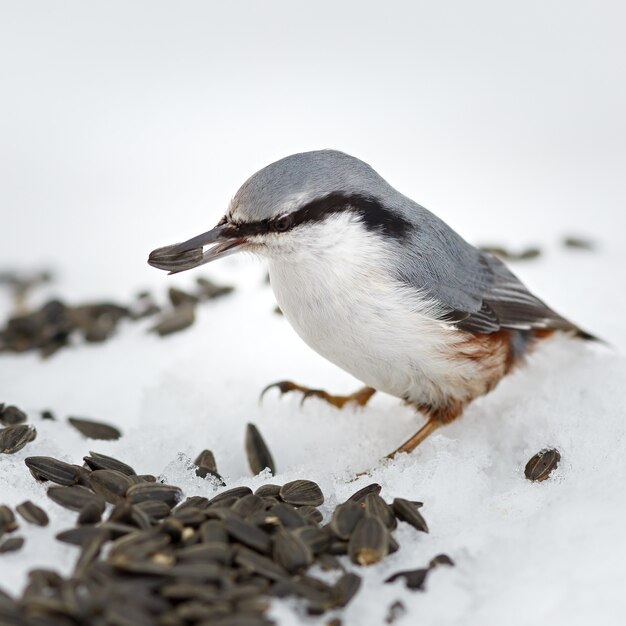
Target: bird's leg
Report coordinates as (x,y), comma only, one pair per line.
(436,417)
(360,397)
(410,444)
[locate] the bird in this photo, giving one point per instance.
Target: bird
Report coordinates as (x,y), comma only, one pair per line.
(378,285)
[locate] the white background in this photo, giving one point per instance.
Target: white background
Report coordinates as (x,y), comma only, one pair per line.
(129,125)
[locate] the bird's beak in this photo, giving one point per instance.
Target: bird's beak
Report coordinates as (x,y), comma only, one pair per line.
(184,256)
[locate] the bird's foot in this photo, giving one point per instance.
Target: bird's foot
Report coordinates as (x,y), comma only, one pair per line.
(360,397)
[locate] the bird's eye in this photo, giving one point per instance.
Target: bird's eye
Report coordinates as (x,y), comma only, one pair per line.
(282,223)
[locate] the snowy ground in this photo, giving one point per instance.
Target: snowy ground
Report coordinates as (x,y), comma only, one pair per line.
(116,143)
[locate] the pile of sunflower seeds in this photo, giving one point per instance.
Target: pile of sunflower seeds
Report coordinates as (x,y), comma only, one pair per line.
(149,556)
(53,325)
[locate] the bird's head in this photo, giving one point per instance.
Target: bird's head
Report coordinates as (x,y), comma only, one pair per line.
(301,204)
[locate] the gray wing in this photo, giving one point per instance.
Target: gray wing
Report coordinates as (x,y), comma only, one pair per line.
(475,290)
(505,302)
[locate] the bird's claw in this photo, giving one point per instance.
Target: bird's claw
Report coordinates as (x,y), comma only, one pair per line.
(283,386)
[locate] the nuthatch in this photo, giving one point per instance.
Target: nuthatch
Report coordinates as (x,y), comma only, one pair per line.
(378,285)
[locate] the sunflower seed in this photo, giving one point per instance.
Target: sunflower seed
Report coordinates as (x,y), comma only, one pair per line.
(369,542)
(346,588)
(360,495)
(102,461)
(337,547)
(110,484)
(542,465)
(175,320)
(286,515)
(247,534)
(345,518)
(375,506)
(580,243)
(202,552)
(32,513)
(11,415)
(78,536)
(7,520)
(259,456)
(235,492)
(213,531)
(311,514)
(11,545)
(248,505)
(259,564)
(190,516)
(413,579)
(394,546)
(169,494)
(91,513)
(440,559)
(291,552)
(268,490)
(301,492)
(315,538)
(47,415)
(47,468)
(154,509)
(89,552)
(14,438)
(94,430)
(395,611)
(74,497)
(207,290)
(178,297)
(197,502)
(406,511)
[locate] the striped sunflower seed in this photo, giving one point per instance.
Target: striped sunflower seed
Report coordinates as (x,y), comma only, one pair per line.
(91,513)
(110,484)
(78,536)
(542,464)
(93,429)
(213,531)
(413,579)
(74,497)
(259,456)
(360,495)
(375,506)
(369,543)
(102,461)
(169,494)
(407,511)
(302,492)
(11,415)
(47,468)
(259,564)
(247,534)
(7,520)
(32,513)
(291,552)
(315,538)
(346,588)
(11,545)
(154,509)
(14,438)
(268,490)
(235,492)
(345,518)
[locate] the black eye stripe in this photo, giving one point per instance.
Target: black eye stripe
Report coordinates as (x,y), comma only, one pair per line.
(375,216)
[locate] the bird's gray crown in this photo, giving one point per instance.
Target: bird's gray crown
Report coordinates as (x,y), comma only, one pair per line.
(310,186)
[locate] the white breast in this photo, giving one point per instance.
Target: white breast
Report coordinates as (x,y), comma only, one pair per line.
(343,301)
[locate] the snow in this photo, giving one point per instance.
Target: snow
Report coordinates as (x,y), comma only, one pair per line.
(109,151)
